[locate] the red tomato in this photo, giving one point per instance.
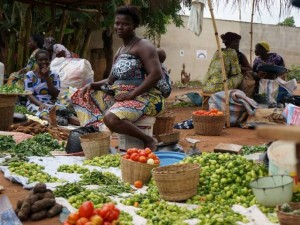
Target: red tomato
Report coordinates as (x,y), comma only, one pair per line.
(107,223)
(148,151)
(97,220)
(152,156)
(89,223)
(66,223)
(142,159)
(134,156)
(126,156)
(86,209)
(156,161)
(138,184)
(82,221)
(112,215)
(73,217)
(143,153)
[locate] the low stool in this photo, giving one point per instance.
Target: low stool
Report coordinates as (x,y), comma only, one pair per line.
(146,125)
(205,98)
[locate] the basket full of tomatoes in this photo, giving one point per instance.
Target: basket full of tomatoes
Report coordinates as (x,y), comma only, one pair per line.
(136,165)
(208,123)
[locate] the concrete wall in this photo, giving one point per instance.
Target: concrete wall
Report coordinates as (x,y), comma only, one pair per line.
(283,40)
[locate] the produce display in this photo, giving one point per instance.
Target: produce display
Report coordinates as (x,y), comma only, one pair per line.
(212,112)
(223,182)
(39,204)
(32,171)
(12,89)
(104,161)
(72,169)
(141,156)
(33,127)
(89,215)
(39,145)
(22,109)
(247,150)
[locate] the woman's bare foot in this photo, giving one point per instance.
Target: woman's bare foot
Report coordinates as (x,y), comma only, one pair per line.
(152,143)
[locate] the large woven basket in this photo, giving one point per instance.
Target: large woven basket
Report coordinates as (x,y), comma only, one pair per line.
(7,107)
(171,138)
(164,124)
(95,144)
(177,182)
(287,218)
(135,171)
(208,125)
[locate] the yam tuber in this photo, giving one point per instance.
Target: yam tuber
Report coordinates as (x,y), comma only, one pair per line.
(42,204)
(40,188)
(55,210)
(24,211)
(39,215)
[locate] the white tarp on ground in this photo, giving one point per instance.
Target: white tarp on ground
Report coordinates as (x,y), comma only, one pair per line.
(51,164)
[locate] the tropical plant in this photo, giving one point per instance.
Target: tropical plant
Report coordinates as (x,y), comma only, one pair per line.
(289,22)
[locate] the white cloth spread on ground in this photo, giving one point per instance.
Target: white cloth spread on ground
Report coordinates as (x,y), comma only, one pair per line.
(195,22)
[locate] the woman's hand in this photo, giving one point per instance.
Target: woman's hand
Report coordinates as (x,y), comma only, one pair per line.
(44,72)
(86,89)
(124,96)
(42,107)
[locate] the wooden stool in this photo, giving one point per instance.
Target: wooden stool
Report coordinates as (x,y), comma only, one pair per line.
(205,98)
(287,133)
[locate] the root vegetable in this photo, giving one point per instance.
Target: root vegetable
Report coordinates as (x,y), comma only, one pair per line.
(42,204)
(39,215)
(40,188)
(55,210)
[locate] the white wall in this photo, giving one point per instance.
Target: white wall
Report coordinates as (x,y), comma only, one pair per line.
(283,40)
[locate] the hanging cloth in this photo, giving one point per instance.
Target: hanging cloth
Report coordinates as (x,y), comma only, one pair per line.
(195,23)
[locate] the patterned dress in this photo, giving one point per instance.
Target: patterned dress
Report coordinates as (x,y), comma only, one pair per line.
(40,90)
(128,73)
(273,59)
(18,77)
(213,81)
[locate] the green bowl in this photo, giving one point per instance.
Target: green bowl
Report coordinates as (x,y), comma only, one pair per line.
(273,190)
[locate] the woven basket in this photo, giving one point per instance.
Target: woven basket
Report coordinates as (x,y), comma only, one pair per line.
(209,125)
(286,218)
(7,107)
(95,144)
(169,138)
(177,182)
(164,124)
(135,171)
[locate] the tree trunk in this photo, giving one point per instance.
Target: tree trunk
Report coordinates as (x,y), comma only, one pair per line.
(28,25)
(107,37)
(53,24)
(62,27)
(84,51)
(12,44)
(22,32)
(78,37)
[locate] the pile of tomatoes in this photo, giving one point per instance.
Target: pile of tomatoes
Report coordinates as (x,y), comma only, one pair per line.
(212,112)
(88,215)
(142,156)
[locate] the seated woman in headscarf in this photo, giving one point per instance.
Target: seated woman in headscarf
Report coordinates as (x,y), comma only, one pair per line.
(235,62)
(35,43)
(262,51)
(57,50)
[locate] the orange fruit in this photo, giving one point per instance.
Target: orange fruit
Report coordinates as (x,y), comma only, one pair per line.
(138,184)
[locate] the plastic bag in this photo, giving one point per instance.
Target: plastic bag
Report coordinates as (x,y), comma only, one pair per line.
(7,213)
(72,72)
(73,144)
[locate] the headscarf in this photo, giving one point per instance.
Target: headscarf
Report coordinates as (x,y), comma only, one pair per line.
(49,42)
(265,45)
(229,37)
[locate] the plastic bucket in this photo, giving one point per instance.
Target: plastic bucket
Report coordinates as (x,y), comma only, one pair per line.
(282,160)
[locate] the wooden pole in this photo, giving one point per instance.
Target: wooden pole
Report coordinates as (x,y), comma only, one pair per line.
(251,31)
(222,64)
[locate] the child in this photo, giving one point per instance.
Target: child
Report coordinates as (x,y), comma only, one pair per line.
(164,84)
(45,87)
